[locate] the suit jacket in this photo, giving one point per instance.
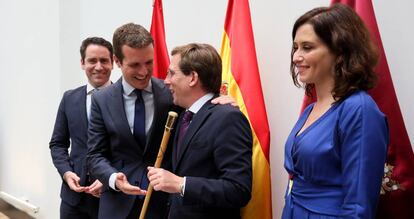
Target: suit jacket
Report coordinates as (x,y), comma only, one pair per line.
(70,130)
(216,159)
(113,148)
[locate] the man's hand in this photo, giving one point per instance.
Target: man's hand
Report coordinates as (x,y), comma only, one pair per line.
(95,189)
(164,180)
(73,181)
(122,184)
(225,99)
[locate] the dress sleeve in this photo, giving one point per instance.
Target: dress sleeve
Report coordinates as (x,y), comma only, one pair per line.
(363,136)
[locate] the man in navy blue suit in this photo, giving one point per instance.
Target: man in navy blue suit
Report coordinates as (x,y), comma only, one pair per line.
(212,151)
(80,193)
(118,156)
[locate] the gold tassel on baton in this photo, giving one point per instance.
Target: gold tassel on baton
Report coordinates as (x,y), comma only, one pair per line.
(168,126)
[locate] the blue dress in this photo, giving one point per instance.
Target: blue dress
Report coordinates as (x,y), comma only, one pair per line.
(337,163)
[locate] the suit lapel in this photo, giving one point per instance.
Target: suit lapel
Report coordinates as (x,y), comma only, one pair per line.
(80,104)
(196,123)
(117,110)
(161,106)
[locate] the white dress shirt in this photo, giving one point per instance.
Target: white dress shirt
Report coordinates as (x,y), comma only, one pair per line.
(89,91)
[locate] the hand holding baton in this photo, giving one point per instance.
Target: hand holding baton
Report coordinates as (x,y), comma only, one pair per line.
(167,131)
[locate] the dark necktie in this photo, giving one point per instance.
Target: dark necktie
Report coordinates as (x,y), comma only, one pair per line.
(88,111)
(139,119)
(185,122)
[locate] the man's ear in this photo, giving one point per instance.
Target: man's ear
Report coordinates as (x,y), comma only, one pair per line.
(117,61)
(82,64)
(194,79)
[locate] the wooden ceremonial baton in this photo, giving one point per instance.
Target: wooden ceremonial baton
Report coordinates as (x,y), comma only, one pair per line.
(167,132)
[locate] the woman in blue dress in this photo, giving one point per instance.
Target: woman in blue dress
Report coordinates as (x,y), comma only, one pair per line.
(336,152)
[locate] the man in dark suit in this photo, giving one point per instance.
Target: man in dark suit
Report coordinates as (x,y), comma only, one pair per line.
(78,189)
(126,128)
(212,152)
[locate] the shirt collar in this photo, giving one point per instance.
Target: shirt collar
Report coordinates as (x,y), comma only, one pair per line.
(200,102)
(90,88)
(128,89)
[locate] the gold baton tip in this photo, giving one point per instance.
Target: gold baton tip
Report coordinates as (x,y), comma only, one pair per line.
(171,119)
(173,114)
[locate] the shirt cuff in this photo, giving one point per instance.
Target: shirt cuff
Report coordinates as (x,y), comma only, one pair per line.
(63,176)
(182,190)
(112,180)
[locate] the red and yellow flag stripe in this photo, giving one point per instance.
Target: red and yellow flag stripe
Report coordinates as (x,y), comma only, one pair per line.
(242,79)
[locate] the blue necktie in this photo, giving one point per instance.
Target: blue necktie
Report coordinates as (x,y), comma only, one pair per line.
(185,122)
(139,119)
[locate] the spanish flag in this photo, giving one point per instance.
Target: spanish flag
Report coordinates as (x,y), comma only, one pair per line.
(241,80)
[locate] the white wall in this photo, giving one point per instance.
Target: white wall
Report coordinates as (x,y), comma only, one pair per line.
(29,93)
(39,60)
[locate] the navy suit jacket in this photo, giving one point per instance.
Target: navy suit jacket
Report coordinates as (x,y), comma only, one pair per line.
(216,159)
(113,148)
(70,130)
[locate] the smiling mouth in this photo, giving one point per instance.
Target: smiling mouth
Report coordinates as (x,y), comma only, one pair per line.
(139,78)
(300,69)
(171,91)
